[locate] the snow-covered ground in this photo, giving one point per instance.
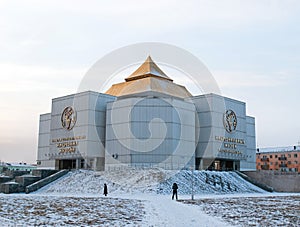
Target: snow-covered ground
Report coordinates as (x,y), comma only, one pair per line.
(143,198)
(253,211)
(147,210)
(155,181)
(37,210)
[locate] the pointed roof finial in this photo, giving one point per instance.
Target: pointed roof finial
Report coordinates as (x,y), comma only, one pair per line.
(148,69)
(149,59)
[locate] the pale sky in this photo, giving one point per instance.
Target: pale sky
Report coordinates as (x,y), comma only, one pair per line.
(252,48)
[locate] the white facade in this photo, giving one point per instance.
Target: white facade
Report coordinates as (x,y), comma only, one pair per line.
(84,143)
(146,127)
(150,131)
(215,143)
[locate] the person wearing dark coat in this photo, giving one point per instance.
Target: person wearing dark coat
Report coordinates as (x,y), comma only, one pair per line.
(174,187)
(105,190)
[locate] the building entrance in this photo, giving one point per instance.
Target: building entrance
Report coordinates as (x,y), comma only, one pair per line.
(224,165)
(70,163)
(67,164)
(217,164)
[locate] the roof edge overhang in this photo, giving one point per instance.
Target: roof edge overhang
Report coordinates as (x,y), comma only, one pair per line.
(149,94)
(142,76)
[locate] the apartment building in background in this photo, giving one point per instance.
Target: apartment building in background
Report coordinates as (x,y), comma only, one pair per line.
(284,159)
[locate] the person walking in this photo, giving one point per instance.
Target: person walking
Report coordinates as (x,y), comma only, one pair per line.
(105,190)
(174,187)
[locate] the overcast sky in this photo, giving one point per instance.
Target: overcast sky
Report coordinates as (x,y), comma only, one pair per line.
(252,49)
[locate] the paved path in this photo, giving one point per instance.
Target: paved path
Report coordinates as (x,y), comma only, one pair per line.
(161,210)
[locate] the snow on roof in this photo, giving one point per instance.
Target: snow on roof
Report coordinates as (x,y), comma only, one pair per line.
(278,149)
(10,182)
(16,164)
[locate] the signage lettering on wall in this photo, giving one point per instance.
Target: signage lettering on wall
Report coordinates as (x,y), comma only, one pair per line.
(67,144)
(230,144)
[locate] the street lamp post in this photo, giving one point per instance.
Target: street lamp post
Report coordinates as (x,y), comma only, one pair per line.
(192,183)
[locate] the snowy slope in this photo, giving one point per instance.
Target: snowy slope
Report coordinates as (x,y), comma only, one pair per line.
(155,181)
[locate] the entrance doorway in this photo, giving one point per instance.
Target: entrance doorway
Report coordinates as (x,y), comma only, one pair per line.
(67,164)
(223,165)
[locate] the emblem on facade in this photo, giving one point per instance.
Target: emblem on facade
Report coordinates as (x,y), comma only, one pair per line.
(230,121)
(68,118)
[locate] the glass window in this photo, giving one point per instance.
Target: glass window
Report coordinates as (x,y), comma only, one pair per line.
(295,156)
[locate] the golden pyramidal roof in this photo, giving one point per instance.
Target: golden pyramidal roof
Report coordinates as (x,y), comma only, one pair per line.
(148,78)
(148,69)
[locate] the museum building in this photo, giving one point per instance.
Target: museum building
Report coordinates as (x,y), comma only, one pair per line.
(146,121)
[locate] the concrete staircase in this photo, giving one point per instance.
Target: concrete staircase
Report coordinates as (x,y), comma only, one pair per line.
(19,181)
(41,183)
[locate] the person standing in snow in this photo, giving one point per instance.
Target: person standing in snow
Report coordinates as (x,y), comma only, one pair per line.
(174,187)
(105,190)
